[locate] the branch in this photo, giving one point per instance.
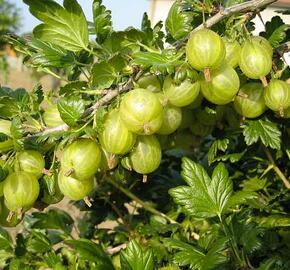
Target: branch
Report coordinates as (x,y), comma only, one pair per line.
(248,6)
(283,48)
(277,169)
(145,205)
(110,95)
(253,5)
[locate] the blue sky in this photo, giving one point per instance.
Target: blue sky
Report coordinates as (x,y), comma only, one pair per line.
(124,12)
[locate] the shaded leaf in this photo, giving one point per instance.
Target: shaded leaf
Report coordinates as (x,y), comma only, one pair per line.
(275,31)
(91,252)
(254,184)
(53,219)
(265,130)
(16,129)
(73,88)
(273,221)
(50,55)
(217,145)
(240,197)
(38,242)
(163,62)
(5,240)
(106,72)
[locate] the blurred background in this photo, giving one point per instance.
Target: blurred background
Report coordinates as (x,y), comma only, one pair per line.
(15,18)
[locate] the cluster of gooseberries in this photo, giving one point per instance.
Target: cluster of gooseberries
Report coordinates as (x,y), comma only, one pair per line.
(135,132)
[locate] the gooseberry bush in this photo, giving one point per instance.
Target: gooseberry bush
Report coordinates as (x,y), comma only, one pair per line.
(175,134)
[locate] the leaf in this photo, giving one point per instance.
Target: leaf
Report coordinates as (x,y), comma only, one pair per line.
(106,72)
(50,55)
(217,145)
(233,157)
(241,197)
(178,22)
(64,26)
(71,109)
(16,129)
(254,184)
(275,31)
(54,219)
(268,264)
(264,130)
(89,251)
(122,42)
(38,242)
(73,88)
(136,258)
(196,257)
(162,62)
(279,35)
(5,240)
(204,197)
(102,21)
(273,221)
(153,36)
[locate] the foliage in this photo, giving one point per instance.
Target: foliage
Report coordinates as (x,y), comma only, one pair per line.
(219,199)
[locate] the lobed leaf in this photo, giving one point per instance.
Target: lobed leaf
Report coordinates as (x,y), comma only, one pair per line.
(204,197)
(64,26)
(178,22)
(265,130)
(136,258)
(71,109)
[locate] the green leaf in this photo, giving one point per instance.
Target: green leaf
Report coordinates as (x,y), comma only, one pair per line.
(217,145)
(73,88)
(233,157)
(6,242)
(38,242)
(71,109)
(197,257)
(279,35)
(50,55)
(136,258)
(275,31)
(204,197)
(268,264)
(273,221)
(162,62)
(178,22)
(254,184)
(54,219)
(91,252)
(106,72)
(241,197)
(102,21)
(16,129)
(153,36)
(64,26)
(266,131)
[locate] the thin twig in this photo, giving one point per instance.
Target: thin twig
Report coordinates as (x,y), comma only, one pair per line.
(145,205)
(277,169)
(110,95)
(114,250)
(253,5)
